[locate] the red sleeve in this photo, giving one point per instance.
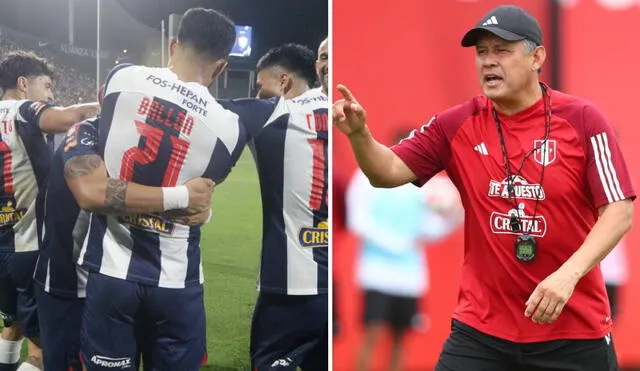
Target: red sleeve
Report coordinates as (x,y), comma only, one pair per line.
(607,173)
(425,151)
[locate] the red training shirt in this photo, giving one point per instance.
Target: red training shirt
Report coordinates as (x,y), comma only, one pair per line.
(584,170)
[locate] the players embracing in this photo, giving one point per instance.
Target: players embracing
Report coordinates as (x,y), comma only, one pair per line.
(131,168)
(116,210)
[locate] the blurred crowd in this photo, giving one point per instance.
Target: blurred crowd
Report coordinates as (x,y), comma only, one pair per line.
(71,85)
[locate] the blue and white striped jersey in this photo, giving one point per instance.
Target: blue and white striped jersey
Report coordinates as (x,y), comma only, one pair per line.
(293,161)
(157,130)
(65,224)
(25,154)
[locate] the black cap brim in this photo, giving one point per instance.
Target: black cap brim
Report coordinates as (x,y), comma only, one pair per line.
(472,36)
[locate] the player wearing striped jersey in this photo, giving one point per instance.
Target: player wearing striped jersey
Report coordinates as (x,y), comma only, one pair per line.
(322,69)
(160,127)
(289,327)
(25,151)
(61,283)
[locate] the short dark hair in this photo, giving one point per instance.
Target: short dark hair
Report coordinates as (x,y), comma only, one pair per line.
(294,58)
(210,33)
(21,63)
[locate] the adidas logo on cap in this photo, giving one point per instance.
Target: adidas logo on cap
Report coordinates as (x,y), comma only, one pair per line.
(491,21)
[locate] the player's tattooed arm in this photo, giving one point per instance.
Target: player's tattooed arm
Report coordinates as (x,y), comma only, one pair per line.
(115,197)
(81,165)
(87,178)
(115,189)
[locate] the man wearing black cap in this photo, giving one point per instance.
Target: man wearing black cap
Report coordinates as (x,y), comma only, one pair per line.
(546,194)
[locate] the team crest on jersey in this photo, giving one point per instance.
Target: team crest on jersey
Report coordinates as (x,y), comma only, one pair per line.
(521,189)
(149,223)
(501,223)
(547,153)
(314,236)
(9,215)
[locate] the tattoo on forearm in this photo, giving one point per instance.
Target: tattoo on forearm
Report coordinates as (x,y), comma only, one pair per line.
(81,165)
(115,196)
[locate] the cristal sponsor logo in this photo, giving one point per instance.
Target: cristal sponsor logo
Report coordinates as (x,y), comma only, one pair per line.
(284,362)
(521,189)
(314,236)
(501,223)
(149,223)
(111,362)
(9,215)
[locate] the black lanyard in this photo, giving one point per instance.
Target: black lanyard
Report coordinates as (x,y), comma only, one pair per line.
(515,219)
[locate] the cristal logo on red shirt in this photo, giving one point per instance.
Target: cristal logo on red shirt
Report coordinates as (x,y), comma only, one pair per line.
(521,189)
(501,223)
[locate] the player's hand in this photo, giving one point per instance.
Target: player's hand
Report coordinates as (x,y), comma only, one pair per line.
(192,220)
(200,190)
(348,115)
(550,296)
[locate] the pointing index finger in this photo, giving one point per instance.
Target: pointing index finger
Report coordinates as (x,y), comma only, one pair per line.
(346,93)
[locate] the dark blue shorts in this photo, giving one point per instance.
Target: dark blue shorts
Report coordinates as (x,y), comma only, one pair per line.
(17,297)
(123,319)
(60,320)
(290,331)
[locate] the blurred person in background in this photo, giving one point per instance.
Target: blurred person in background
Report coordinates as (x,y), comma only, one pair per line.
(339,185)
(529,297)
(392,270)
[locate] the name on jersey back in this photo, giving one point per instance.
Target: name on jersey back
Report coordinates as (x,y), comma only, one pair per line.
(165,115)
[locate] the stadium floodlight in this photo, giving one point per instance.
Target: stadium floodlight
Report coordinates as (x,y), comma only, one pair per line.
(97,46)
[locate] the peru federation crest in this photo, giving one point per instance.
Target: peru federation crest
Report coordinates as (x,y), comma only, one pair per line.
(547,153)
